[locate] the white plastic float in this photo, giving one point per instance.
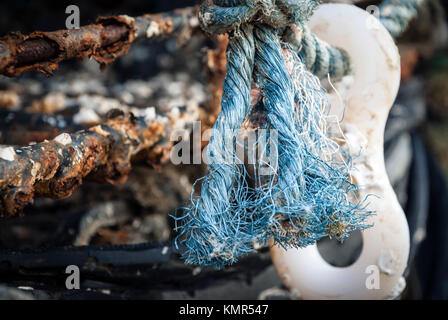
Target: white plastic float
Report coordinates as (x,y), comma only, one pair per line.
(376,65)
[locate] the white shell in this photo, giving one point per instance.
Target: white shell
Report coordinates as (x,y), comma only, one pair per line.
(63,138)
(7,153)
(376,64)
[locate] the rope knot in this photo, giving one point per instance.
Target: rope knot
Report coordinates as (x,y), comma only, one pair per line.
(222,16)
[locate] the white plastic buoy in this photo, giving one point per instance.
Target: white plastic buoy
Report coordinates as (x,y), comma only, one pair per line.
(384,256)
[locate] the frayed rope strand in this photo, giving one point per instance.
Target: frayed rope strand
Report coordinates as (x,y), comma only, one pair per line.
(307,195)
(209,235)
(312,183)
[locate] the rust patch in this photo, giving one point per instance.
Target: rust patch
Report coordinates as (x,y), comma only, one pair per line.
(106,40)
(101,153)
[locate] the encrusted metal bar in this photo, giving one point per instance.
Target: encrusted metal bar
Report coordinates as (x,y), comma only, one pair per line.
(55,168)
(105,40)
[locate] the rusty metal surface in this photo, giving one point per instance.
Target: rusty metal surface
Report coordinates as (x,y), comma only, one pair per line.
(104,41)
(55,168)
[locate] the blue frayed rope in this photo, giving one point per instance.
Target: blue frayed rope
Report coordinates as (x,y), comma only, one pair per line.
(309,196)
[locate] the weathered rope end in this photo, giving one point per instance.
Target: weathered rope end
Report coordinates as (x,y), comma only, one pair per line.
(307,195)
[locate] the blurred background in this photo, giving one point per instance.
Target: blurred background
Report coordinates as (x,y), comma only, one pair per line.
(173,74)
